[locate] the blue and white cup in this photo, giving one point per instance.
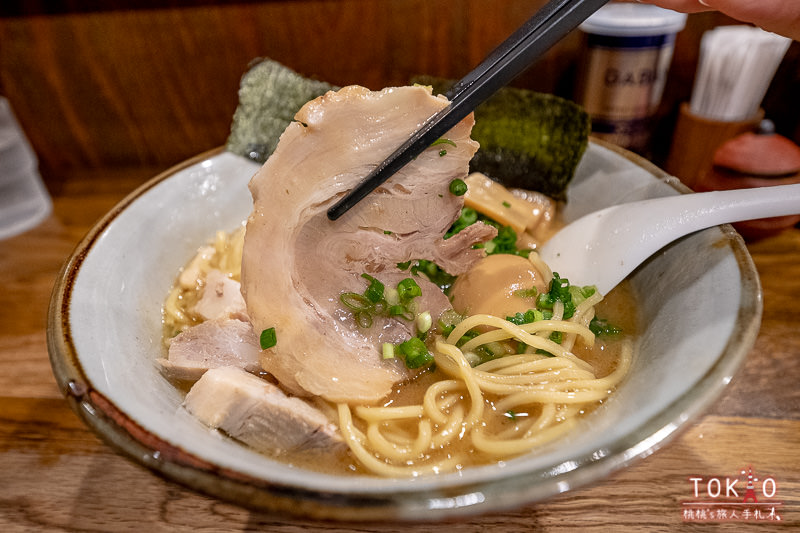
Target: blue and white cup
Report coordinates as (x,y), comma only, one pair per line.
(628,51)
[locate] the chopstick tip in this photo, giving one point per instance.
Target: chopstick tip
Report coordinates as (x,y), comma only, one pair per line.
(336,211)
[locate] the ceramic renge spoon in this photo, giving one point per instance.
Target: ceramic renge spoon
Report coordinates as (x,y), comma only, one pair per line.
(603,247)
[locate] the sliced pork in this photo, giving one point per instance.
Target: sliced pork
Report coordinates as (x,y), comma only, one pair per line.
(259,414)
(221,297)
(212,344)
(296,262)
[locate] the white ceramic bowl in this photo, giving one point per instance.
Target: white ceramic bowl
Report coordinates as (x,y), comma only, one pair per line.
(699,303)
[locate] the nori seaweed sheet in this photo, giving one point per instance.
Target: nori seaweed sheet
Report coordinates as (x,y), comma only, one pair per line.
(270,94)
(528,139)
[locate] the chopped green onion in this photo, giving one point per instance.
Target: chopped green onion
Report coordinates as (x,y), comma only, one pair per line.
(448,321)
(363,319)
(431,270)
(472,358)
(467,217)
(468,336)
(559,291)
(442,152)
(424,322)
(415,353)
(533,292)
(374,292)
(396,310)
(529,316)
(579,294)
(268,338)
(511,414)
(600,326)
(392,296)
(506,241)
(377,300)
(443,140)
(388,350)
(408,289)
(355,301)
(458,187)
(494,349)
(506,204)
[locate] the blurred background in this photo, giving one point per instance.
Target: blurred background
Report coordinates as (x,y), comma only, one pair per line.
(149,83)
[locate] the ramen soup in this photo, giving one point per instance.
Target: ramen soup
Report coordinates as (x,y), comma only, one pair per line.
(418,334)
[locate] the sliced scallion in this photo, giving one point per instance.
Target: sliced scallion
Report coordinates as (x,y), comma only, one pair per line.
(424,322)
(443,140)
(268,338)
(392,296)
(374,292)
(458,187)
(363,319)
(415,353)
(355,301)
(388,350)
(408,289)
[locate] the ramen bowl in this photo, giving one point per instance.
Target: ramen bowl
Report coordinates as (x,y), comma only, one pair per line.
(699,310)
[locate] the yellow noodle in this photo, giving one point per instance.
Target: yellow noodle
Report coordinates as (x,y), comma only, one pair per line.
(355,441)
(534,361)
(498,383)
(584,313)
(429,401)
(545,326)
(514,331)
(558,386)
(373,414)
(451,429)
(542,267)
(468,376)
(398,452)
(505,447)
(172,307)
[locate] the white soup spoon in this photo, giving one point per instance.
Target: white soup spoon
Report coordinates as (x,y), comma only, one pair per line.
(603,247)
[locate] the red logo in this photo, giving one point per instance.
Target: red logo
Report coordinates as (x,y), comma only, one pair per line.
(743,498)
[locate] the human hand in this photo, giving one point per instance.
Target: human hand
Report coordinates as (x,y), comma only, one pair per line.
(777,16)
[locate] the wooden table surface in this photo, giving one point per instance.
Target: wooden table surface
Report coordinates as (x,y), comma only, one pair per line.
(56,475)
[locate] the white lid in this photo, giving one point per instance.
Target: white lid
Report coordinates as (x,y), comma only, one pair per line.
(634,20)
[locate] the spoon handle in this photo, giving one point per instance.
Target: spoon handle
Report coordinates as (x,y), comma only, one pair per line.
(692,212)
(603,247)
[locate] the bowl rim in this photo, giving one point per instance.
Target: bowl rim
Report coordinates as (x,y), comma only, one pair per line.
(131,440)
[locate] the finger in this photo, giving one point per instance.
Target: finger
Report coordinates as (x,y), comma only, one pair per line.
(684,6)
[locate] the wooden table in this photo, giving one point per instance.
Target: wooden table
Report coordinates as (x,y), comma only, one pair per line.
(56,475)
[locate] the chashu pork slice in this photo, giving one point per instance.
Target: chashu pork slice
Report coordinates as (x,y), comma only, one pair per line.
(221,297)
(259,414)
(215,343)
(296,262)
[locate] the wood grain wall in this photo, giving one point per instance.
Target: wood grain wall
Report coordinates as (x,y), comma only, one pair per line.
(126,83)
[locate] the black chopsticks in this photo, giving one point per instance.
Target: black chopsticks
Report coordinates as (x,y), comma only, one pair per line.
(544,29)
